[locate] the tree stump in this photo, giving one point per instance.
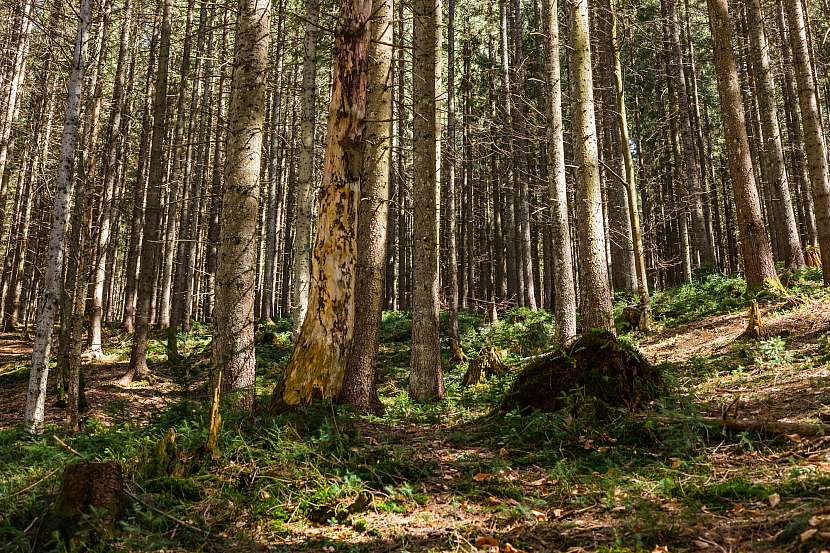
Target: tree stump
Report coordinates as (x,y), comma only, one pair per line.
(812,256)
(597,365)
(87,488)
(488,362)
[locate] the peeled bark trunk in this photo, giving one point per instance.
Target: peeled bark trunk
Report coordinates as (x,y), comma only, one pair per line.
(564,301)
(52,288)
(755,247)
(359,382)
(817,164)
(233,346)
(426,377)
(596,309)
(301,260)
(318,362)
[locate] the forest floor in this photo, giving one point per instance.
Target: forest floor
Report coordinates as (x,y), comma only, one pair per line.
(454,476)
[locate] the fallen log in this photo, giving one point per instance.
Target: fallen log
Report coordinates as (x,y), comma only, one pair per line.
(751,425)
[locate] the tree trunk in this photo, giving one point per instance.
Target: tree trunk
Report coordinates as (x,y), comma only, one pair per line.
(233,346)
(817,164)
(694,190)
(52,287)
(755,247)
(359,382)
(597,309)
(564,302)
(152,212)
(786,229)
(304,198)
(318,362)
(450,275)
(426,379)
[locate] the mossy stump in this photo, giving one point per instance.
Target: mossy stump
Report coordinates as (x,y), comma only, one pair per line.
(88,488)
(488,362)
(597,365)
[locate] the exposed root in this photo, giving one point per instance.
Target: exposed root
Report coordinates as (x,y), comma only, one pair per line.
(755,328)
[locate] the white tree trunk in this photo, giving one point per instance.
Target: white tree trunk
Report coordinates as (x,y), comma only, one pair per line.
(36,395)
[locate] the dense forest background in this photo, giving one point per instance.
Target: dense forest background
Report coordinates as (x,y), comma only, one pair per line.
(306,214)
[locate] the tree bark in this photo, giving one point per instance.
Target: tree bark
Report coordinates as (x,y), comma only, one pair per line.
(233,346)
(304,198)
(597,309)
(564,301)
(817,164)
(52,288)
(426,379)
(755,247)
(152,212)
(359,382)
(318,362)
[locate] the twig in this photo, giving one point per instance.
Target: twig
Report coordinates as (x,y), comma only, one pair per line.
(30,486)
(744,425)
(67,447)
(166,514)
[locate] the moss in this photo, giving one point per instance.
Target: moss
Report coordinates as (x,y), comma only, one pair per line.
(597,364)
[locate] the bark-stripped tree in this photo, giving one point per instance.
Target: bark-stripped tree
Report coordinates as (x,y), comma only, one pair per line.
(321,349)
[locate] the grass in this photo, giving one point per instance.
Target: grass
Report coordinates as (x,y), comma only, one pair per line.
(323,477)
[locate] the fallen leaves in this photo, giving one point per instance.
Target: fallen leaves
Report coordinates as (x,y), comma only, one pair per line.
(482,476)
(774,499)
(493,545)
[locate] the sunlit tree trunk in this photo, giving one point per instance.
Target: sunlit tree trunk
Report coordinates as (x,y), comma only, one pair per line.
(304,195)
(359,383)
(318,362)
(233,345)
(815,147)
(564,300)
(596,310)
(755,247)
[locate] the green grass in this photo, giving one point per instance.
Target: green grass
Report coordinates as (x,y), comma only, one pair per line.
(323,465)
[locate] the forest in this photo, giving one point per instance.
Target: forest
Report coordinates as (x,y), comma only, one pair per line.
(415,275)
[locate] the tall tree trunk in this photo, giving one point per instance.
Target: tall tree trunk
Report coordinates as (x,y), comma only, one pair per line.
(52,287)
(359,381)
(318,362)
(817,164)
(596,309)
(786,229)
(113,138)
(304,198)
(152,212)
(694,189)
(630,178)
(233,346)
(426,378)
(448,194)
(755,247)
(564,301)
